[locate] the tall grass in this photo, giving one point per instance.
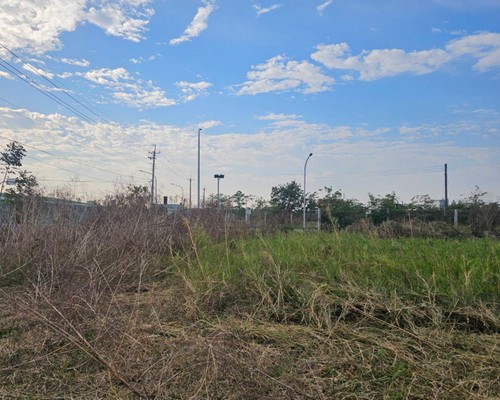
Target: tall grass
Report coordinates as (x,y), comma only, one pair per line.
(449,272)
(128,302)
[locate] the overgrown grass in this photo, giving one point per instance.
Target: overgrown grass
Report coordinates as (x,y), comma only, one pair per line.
(131,303)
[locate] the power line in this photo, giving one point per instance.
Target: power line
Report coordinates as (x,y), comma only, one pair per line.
(34,84)
(41,89)
(60,157)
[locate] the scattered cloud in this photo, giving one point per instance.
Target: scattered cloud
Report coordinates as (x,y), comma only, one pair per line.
(6,75)
(323,6)
(264,10)
(198,25)
(36,26)
(38,71)
(78,63)
(277,117)
(191,90)
(483,47)
(126,18)
(381,63)
(127,90)
(209,124)
(141,60)
(280,75)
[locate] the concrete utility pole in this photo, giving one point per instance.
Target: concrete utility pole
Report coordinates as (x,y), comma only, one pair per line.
(152,156)
(190,180)
(445,188)
(304,197)
(198,203)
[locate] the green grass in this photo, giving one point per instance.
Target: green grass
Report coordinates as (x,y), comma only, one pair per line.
(465,272)
(199,310)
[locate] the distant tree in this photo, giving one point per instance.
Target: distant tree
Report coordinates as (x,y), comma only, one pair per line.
(259,203)
(338,210)
(423,202)
(134,195)
(240,199)
(384,208)
(212,201)
(11,159)
(287,197)
(474,199)
(26,184)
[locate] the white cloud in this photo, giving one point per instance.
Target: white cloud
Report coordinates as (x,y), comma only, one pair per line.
(147,96)
(278,117)
(484,47)
(141,60)
(343,155)
(209,124)
(381,63)
(193,90)
(107,77)
(6,75)
(323,6)
(125,89)
(125,19)
(37,71)
(260,10)
(279,74)
(36,26)
(198,25)
(78,63)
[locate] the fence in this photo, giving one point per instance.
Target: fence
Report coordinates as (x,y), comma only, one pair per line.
(485,218)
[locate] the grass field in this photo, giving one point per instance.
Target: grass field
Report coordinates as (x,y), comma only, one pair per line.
(140,306)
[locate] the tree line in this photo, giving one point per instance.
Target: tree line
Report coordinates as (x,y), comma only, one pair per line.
(336,208)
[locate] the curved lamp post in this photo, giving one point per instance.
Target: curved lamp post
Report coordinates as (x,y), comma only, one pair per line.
(199,131)
(182,190)
(304,197)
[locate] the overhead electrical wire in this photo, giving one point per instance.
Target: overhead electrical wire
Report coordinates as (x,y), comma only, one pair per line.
(13,70)
(64,158)
(21,75)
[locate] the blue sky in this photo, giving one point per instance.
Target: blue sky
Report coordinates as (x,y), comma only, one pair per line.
(384,93)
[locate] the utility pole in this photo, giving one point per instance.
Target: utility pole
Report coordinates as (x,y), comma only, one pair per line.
(152,156)
(445,188)
(199,132)
(190,180)
(204,189)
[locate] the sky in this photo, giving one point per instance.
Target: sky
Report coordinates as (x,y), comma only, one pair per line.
(382,92)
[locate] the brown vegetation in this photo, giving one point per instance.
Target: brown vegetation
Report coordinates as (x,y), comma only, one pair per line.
(124,303)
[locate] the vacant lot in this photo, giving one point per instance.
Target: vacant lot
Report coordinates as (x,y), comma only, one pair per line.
(130,304)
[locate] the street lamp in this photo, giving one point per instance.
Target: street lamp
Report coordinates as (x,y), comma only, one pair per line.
(199,131)
(182,190)
(304,198)
(218,177)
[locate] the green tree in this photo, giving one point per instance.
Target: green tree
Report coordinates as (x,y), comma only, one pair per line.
(338,210)
(385,208)
(287,197)
(260,203)
(240,199)
(26,184)
(11,159)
